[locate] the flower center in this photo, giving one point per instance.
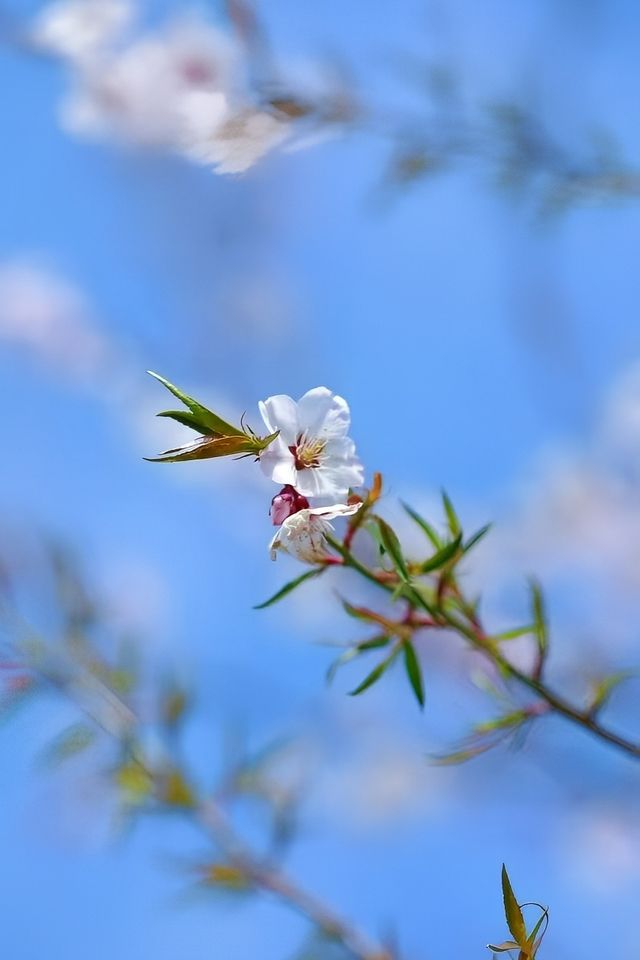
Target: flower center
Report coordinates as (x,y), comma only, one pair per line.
(307,452)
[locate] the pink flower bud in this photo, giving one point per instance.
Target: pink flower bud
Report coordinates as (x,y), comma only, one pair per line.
(286,503)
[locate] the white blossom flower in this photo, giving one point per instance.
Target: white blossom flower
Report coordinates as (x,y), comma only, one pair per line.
(312,452)
(304,534)
(184,87)
(234,142)
(80,29)
(148,92)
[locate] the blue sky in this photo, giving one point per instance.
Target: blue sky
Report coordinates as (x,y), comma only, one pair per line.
(467,336)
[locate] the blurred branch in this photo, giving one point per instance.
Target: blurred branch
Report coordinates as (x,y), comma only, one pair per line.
(161,783)
(508,138)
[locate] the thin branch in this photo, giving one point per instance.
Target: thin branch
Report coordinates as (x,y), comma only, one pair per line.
(209,816)
(474,633)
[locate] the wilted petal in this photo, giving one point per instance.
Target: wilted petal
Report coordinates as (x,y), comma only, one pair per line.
(335,510)
(304,534)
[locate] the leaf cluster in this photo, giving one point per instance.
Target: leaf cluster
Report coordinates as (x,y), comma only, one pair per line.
(525,942)
(218,438)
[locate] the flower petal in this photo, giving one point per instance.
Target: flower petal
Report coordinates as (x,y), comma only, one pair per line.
(315,482)
(281,413)
(323,415)
(275,545)
(335,510)
(303,535)
(331,480)
(278,464)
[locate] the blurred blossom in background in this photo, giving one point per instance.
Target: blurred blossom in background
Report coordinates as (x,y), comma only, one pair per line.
(432,209)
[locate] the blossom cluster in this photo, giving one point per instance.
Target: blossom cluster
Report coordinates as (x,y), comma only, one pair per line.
(307,452)
(183,86)
(314,459)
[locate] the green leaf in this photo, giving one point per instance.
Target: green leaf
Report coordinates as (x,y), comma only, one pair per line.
(375,675)
(229,877)
(540,624)
(512,911)
(392,546)
(502,723)
(515,633)
(364,614)
(424,525)
(414,671)
(212,422)
(442,557)
(207,448)
(176,792)
(452,517)
(476,538)
(531,942)
(289,587)
(373,644)
(188,419)
(606,686)
(69,743)
(463,755)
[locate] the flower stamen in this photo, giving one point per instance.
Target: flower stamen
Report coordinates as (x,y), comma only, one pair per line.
(307,452)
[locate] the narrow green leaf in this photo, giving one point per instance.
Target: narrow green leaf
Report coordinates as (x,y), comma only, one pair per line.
(476,538)
(206,448)
(443,556)
(373,530)
(228,877)
(515,633)
(393,548)
(375,675)
(540,625)
(606,686)
(362,613)
(503,947)
(289,587)
(69,743)
(373,644)
(452,517)
(512,911)
(414,671)
(204,415)
(261,443)
(531,942)
(424,525)
(462,755)
(188,419)
(502,723)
